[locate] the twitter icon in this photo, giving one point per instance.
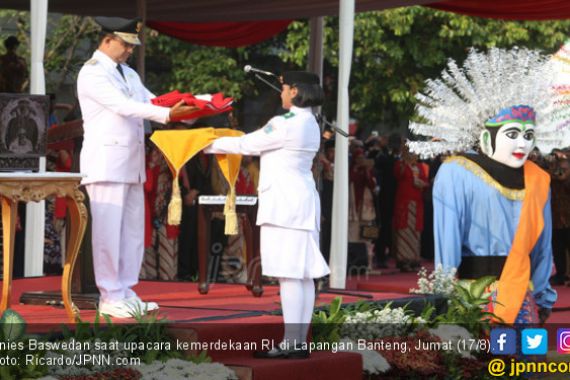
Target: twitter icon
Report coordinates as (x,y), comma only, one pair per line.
(534,342)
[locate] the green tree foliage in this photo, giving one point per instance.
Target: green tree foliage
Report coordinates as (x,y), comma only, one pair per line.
(178,65)
(65,47)
(173,64)
(396,50)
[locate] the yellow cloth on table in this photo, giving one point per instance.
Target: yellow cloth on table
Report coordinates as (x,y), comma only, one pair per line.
(179,146)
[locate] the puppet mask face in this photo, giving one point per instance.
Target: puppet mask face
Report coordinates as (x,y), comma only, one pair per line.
(513,144)
(514,138)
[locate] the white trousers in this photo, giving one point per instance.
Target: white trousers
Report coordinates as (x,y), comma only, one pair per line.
(117,212)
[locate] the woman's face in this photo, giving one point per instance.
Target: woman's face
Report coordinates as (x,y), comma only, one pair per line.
(287,95)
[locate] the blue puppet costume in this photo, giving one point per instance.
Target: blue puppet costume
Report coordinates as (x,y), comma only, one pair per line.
(492,209)
(475,222)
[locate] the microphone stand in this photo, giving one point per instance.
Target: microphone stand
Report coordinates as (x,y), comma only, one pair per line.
(333,128)
(320,118)
(268,83)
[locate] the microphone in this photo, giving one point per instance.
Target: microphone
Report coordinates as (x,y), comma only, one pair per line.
(248,68)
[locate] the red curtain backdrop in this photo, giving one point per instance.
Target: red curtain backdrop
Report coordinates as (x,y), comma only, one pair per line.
(243,33)
(509,9)
(226,34)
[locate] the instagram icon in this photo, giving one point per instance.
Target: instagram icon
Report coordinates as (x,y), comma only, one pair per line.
(563,341)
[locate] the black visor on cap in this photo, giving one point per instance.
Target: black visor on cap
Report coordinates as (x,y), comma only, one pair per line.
(126,29)
(118,24)
(298,77)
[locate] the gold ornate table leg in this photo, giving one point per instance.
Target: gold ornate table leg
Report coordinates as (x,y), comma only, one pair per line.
(78,222)
(9,208)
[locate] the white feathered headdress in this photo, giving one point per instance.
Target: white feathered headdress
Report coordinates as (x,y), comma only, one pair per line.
(561,86)
(453,110)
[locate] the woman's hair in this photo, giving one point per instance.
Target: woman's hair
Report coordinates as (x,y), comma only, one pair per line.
(308,95)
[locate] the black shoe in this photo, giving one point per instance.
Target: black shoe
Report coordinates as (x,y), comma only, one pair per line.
(298,354)
(278,353)
(275,353)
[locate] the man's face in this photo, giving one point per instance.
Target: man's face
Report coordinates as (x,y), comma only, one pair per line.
(513,144)
(117,49)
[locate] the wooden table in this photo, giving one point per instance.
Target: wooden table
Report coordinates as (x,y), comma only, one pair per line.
(26,187)
(246,206)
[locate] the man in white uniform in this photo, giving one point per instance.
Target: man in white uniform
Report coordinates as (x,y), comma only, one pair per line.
(114,103)
(289,206)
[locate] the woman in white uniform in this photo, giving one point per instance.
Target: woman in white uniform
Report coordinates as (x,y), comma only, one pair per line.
(289,206)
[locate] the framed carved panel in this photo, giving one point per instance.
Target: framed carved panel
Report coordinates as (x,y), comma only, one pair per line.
(23,131)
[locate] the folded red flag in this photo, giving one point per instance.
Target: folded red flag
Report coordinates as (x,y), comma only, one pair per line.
(208,104)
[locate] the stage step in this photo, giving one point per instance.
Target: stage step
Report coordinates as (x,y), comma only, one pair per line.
(321,365)
(383,288)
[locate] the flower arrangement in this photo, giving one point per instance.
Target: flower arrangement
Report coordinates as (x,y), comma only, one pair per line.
(377,323)
(171,369)
(454,334)
(73,359)
(440,281)
(115,374)
(183,369)
(372,362)
(397,344)
(425,363)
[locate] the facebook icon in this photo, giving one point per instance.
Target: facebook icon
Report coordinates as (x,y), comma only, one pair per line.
(503,341)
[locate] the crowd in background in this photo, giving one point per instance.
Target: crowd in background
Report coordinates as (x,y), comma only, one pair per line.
(389,202)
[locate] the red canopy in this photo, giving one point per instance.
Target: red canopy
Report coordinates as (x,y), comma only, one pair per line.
(226,34)
(235,34)
(234,23)
(509,9)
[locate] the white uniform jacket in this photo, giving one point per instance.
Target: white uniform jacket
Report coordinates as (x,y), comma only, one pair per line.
(286,145)
(113,110)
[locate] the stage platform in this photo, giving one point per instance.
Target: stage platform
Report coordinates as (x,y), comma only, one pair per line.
(181,302)
(230,311)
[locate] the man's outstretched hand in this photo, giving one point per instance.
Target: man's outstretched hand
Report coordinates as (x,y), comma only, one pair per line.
(181,111)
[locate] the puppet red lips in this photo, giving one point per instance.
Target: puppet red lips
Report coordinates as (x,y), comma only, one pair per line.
(519,156)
